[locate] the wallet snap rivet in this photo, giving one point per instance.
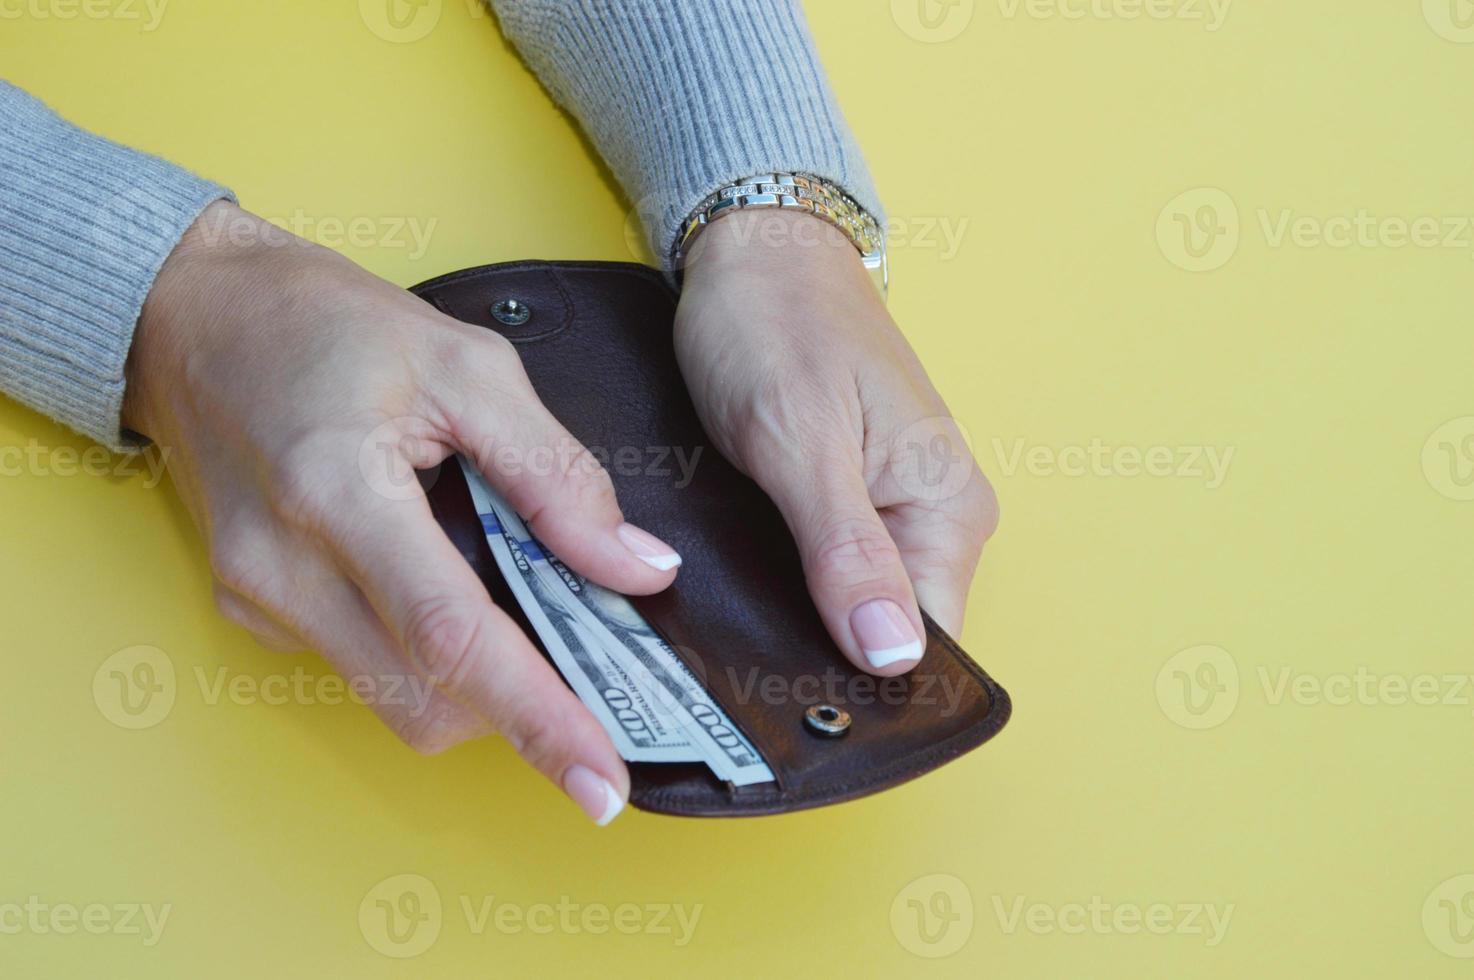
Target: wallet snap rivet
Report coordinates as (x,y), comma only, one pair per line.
(826,719)
(512,312)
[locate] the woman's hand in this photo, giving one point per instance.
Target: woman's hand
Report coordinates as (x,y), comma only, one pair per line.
(296,393)
(805,383)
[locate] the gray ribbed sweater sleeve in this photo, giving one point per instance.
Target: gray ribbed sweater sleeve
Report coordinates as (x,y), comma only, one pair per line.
(680,96)
(85,225)
(684,96)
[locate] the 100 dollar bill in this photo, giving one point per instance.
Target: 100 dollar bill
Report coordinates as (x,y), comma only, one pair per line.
(615,661)
(641,732)
(646,656)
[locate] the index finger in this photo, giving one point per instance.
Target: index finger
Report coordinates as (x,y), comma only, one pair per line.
(445,622)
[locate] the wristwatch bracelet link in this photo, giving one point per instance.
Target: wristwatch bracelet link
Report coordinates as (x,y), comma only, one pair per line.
(806,193)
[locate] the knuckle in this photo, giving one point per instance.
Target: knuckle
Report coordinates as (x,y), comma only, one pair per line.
(583,487)
(230,605)
(496,349)
(989,512)
(486,365)
(304,489)
(854,548)
(431,731)
(240,611)
(238,574)
(789,415)
(979,503)
(591,484)
(278,642)
(969,514)
(544,739)
(443,638)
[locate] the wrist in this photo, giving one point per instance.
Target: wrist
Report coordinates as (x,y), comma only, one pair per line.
(784,196)
(779,246)
(175,315)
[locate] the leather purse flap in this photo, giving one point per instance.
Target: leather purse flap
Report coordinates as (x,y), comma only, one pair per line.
(596,343)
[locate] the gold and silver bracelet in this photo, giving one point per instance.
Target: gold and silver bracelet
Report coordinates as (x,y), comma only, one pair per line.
(793,192)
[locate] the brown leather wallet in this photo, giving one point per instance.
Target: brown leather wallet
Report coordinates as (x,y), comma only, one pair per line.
(595,338)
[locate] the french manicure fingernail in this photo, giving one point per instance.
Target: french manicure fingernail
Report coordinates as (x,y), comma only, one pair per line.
(598,798)
(885,633)
(648,548)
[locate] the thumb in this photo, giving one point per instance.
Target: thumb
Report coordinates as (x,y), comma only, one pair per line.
(852,565)
(566,496)
(437,612)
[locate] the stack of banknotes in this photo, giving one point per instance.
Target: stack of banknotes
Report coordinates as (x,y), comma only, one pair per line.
(651,704)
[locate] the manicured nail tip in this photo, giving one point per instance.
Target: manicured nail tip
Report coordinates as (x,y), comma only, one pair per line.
(893,655)
(612,805)
(648,548)
(661,563)
(593,793)
(884,633)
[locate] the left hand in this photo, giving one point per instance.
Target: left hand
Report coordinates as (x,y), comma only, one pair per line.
(805,383)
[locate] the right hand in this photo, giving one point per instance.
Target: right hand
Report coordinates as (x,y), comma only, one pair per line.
(295,393)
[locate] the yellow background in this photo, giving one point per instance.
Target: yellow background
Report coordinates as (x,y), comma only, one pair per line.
(1062,318)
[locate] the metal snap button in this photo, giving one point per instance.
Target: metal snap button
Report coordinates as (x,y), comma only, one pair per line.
(827,720)
(512,312)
